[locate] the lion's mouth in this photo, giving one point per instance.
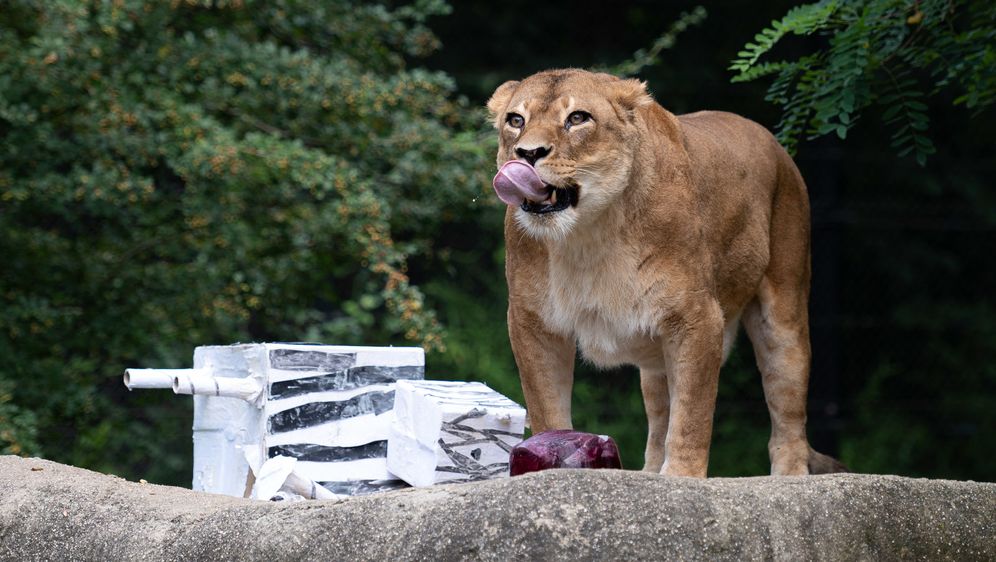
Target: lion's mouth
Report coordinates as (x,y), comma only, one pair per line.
(558,199)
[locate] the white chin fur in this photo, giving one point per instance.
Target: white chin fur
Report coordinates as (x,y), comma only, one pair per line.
(549,226)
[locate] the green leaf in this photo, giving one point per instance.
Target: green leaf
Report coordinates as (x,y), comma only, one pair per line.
(901,139)
(891,112)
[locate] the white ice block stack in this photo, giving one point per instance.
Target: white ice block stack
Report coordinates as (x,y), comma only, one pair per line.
(447,431)
(225,426)
(328,407)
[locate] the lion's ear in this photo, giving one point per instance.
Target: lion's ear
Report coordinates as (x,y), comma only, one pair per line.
(631,94)
(499,99)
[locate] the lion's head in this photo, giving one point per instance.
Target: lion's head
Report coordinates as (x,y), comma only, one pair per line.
(578,130)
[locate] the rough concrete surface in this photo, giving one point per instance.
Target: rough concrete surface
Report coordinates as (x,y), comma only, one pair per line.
(50,511)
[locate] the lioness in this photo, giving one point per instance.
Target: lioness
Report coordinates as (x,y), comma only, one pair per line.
(657,236)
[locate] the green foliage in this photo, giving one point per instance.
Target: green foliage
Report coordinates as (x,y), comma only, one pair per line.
(801,20)
(18,427)
(893,54)
(176,174)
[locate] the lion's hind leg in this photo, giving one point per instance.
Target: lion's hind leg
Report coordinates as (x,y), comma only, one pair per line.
(777,325)
(777,322)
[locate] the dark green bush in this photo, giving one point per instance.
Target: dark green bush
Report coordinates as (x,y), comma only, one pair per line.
(186,173)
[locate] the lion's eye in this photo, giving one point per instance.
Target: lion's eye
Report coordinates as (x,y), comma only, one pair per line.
(577,118)
(515,120)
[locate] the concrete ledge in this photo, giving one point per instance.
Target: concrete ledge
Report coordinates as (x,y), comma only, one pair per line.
(52,511)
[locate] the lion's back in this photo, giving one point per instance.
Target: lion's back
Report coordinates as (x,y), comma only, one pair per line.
(719,143)
(739,172)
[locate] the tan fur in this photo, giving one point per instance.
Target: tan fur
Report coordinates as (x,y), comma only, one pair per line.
(685,226)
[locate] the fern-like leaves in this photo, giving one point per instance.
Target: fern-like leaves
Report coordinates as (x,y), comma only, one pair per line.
(801,20)
(871,47)
(907,114)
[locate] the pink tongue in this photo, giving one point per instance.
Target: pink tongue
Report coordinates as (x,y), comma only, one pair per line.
(517,181)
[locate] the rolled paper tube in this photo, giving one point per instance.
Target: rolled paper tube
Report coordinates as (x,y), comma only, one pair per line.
(517,181)
(207,385)
(304,486)
(278,473)
(563,448)
(271,476)
(156,378)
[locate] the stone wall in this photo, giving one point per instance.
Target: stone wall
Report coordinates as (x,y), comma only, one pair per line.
(51,511)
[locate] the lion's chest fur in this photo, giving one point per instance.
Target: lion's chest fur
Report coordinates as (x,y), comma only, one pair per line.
(595,296)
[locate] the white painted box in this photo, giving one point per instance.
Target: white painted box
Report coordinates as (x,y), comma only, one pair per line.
(446,431)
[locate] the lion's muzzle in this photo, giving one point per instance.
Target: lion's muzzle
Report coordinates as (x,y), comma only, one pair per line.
(518,184)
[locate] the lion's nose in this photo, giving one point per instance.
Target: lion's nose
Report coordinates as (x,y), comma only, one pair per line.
(531,155)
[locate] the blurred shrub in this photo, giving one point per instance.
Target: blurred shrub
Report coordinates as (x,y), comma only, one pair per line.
(175,174)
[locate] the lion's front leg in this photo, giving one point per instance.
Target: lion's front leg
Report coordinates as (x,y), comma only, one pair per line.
(546,369)
(653,384)
(693,353)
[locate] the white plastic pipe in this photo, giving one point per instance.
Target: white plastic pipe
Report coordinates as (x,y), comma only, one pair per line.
(154,378)
(201,382)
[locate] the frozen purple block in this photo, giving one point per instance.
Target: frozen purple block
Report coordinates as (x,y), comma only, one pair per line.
(563,448)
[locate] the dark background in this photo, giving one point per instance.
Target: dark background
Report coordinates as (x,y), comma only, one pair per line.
(903,334)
